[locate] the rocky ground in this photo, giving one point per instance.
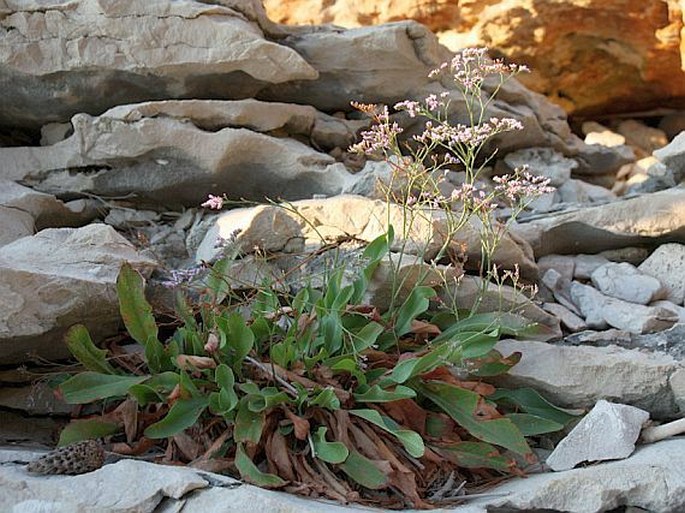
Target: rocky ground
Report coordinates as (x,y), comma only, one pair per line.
(113,132)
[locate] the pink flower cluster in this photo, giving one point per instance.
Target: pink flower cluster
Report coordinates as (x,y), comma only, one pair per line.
(380,136)
(470,136)
(521,184)
(472,65)
(214,202)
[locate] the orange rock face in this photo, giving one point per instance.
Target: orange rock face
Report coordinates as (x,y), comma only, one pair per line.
(589,56)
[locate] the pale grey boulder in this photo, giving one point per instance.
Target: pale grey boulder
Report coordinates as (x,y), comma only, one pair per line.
(179,152)
(608,432)
(579,376)
(624,281)
(667,264)
(61,58)
(55,279)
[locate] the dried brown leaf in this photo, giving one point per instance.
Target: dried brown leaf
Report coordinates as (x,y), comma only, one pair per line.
(300,426)
(190,362)
(276,451)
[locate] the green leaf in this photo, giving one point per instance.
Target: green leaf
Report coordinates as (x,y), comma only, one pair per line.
(330,328)
(155,388)
(363,471)
(87,387)
(182,415)
(90,429)
(367,336)
(411,367)
(250,473)
(478,455)
(493,364)
(239,338)
(376,394)
(413,306)
(155,356)
(217,282)
(226,399)
(531,425)
(530,401)
(248,424)
(411,440)
(461,404)
(81,346)
(135,310)
(373,253)
(266,399)
(326,399)
(330,452)
(477,344)
(506,323)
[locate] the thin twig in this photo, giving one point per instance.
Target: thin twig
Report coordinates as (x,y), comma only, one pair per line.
(269,372)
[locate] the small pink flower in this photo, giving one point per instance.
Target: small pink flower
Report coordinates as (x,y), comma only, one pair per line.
(214,202)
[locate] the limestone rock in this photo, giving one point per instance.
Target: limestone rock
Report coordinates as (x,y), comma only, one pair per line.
(278,228)
(601,311)
(580,376)
(667,264)
(57,278)
(179,152)
(53,56)
(543,162)
(569,319)
(608,432)
(673,156)
(145,485)
(624,281)
(610,226)
(586,265)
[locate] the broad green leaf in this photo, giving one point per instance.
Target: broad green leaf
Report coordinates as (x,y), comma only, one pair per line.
(363,471)
(184,311)
(326,399)
(376,394)
(477,344)
(330,452)
(266,399)
(155,356)
(411,367)
(248,424)
(250,473)
(81,346)
(239,338)
(182,415)
(411,440)
(492,364)
(90,429)
(330,328)
(531,425)
(226,399)
(347,364)
(217,282)
(135,310)
(373,253)
(155,388)
(530,401)
(461,404)
(367,336)
(87,387)
(413,306)
(478,455)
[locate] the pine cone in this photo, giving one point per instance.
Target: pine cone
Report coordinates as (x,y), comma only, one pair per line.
(77,458)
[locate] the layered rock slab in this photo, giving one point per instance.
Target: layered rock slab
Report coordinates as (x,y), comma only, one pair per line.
(178,152)
(53,56)
(55,279)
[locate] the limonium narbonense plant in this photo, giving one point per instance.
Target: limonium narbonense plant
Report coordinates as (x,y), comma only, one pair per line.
(421,163)
(313,390)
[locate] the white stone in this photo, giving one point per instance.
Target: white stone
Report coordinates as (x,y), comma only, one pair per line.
(624,281)
(572,322)
(586,265)
(667,264)
(542,162)
(669,305)
(673,156)
(600,310)
(127,486)
(579,376)
(57,278)
(563,264)
(608,432)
